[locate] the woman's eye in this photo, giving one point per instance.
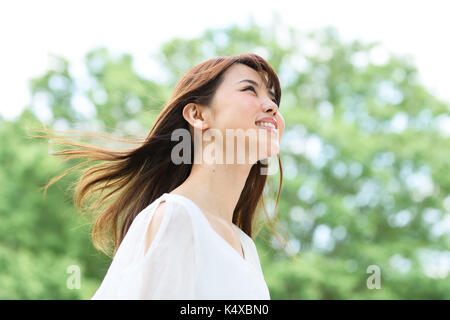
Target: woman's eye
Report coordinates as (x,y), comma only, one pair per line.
(253,89)
(250,88)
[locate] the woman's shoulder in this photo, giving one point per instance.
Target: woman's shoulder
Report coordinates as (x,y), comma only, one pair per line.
(168,218)
(167,204)
(173,207)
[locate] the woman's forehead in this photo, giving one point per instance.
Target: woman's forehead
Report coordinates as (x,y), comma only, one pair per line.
(241,72)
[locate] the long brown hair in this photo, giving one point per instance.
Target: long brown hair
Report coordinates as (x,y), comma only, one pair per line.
(138,176)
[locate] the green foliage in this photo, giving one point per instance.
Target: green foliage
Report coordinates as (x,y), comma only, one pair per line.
(39,239)
(365,163)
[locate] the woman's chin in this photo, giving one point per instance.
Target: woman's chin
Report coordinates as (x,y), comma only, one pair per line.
(268,149)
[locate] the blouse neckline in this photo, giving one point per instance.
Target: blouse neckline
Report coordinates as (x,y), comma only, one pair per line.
(192,203)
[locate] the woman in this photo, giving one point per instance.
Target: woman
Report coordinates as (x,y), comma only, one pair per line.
(182,223)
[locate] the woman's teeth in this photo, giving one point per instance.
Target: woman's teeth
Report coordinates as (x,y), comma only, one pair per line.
(266,124)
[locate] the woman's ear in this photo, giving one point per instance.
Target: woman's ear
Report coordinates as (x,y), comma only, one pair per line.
(196,115)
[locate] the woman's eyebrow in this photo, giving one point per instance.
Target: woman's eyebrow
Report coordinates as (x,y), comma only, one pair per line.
(256,84)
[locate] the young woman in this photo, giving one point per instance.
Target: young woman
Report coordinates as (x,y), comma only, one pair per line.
(182,229)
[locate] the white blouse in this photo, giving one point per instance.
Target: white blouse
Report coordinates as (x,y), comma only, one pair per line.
(187,259)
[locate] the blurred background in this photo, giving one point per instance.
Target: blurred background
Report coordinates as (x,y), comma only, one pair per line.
(365,154)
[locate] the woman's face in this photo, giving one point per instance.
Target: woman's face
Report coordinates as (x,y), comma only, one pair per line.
(239,104)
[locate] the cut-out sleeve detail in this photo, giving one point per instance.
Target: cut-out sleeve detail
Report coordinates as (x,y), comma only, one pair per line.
(165,271)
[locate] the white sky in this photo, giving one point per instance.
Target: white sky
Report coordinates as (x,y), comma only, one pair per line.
(30,30)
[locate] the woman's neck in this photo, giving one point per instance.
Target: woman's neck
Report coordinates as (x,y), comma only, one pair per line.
(215,188)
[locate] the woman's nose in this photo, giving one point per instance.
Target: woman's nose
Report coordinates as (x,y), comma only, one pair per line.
(272,108)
